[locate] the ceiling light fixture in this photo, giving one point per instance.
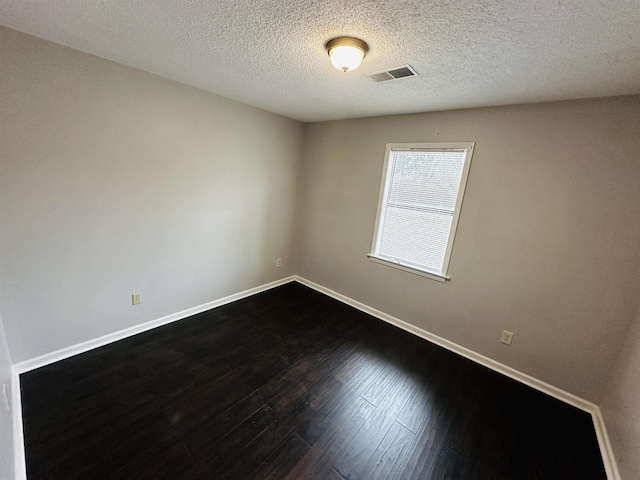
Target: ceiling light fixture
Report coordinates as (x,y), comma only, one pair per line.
(346,53)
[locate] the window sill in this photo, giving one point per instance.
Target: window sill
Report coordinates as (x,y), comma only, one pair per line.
(405,268)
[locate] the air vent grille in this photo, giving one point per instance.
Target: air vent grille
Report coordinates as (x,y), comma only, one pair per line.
(396,73)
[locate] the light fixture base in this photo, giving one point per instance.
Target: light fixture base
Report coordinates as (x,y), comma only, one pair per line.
(347,42)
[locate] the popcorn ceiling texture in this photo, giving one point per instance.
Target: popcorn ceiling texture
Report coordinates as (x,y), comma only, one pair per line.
(270,54)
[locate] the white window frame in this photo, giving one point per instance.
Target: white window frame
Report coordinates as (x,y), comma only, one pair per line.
(468,148)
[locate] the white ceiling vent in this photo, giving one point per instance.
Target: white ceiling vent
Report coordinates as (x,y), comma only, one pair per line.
(396,73)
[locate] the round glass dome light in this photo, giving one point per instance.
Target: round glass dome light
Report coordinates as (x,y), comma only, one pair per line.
(346,53)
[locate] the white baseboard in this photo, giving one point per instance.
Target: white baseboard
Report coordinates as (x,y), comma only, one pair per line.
(41,361)
(608,458)
(22,367)
(19,463)
(67,352)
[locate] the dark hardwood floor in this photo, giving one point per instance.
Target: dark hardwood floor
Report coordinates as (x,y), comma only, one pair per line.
(292,384)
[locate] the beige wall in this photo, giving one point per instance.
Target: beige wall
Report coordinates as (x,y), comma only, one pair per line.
(114,181)
(621,406)
(547,244)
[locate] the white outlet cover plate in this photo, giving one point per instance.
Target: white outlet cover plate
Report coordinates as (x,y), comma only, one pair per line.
(507,337)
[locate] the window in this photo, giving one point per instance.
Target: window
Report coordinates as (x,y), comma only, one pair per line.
(420,200)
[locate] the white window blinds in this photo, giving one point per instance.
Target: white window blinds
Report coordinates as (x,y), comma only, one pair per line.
(421,198)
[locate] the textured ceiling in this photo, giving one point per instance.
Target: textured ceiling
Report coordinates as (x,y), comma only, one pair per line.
(271,53)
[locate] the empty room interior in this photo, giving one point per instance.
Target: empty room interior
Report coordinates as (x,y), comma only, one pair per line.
(205,271)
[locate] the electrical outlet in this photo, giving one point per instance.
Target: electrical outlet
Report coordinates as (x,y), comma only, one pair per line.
(278,262)
(136,298)
(507,337)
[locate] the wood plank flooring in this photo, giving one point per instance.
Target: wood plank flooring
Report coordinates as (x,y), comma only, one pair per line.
(291,384)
